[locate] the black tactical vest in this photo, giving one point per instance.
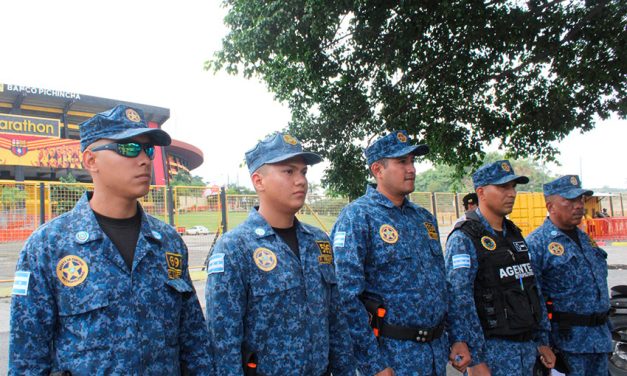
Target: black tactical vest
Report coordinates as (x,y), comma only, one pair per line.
(506,296)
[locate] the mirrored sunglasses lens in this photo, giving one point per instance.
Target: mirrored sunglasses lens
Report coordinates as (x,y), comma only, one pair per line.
(129,150)
(150,151)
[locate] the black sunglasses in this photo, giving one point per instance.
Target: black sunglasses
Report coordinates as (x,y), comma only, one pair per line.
(128,149)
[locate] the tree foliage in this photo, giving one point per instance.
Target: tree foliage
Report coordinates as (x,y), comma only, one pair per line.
(457,74)
(235,189)
(444,178)
(183,177)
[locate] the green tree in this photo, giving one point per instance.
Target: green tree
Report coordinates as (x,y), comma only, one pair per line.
(12,197)
(183,177)
(457,74)
(65,196)
(444,178)
(234,189)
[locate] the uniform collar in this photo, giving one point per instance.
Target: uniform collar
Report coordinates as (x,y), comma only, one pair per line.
(261,228)
(379,198)
(486,224)
(90,229)
(554,231)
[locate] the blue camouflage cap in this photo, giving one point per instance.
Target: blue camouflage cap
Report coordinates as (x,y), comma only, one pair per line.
(278,148)
(497,173)
(567,186)
(120,123)
(393,145)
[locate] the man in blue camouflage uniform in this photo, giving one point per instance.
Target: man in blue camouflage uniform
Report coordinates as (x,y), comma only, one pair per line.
(572,272)
(495,306)
(389,261)
(82,306)
(272,299)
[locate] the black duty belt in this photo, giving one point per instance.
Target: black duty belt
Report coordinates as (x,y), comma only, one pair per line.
(412,334)
(521,337)
(573,319)
(376,311)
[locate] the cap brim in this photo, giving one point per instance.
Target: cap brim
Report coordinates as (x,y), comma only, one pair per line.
(574,193)
(417,150)
(506,179)
(310,158)
(157,136)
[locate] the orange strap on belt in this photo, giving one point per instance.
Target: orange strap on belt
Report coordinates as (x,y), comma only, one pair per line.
(549,309)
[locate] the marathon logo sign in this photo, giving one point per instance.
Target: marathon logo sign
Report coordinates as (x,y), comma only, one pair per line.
(513,272)
(32,126)
(39,91)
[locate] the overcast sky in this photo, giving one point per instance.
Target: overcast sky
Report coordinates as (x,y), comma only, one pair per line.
(152,52)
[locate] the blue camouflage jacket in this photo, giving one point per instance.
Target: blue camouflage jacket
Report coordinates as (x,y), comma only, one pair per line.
(575,278)
(263,299)
(77,307)
(465,324)
(394,254)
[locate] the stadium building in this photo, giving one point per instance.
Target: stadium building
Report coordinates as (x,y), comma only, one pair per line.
(39,135)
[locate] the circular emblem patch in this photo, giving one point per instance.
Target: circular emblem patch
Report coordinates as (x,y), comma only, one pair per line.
(573,180)
(132,115)
(265,259)
(505,167)
(290,139)
(488,243)
(556,249)
(72,270)
(388,234)
(401,137)
(82,236)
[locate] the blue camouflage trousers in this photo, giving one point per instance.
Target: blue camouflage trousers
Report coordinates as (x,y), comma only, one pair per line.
(594,364)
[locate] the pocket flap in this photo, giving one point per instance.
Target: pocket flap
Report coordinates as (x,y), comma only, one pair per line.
(179,285)
(267,286)
(87,301)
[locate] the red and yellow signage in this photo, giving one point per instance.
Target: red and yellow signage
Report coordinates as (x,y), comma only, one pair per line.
(39,152)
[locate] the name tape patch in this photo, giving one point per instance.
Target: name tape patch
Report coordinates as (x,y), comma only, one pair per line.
(20,283)
(216,264)
(461,261)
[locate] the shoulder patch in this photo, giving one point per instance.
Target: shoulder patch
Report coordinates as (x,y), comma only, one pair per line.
(175,265)
(20,283)
(461,261)
(326,255)
(433,234)
(339,238)
(216,264)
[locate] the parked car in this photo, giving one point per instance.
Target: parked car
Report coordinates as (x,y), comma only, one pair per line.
(197,230)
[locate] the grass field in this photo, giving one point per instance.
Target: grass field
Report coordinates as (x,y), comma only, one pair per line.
(211,220)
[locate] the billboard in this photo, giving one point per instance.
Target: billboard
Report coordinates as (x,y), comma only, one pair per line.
(39,152)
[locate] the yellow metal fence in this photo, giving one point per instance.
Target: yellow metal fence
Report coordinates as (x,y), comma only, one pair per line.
(197,212)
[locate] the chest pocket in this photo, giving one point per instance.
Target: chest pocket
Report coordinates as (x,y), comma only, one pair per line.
(384,254)
(86,319)
(328,274)
(274,282)
(566,262)
(176,290)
